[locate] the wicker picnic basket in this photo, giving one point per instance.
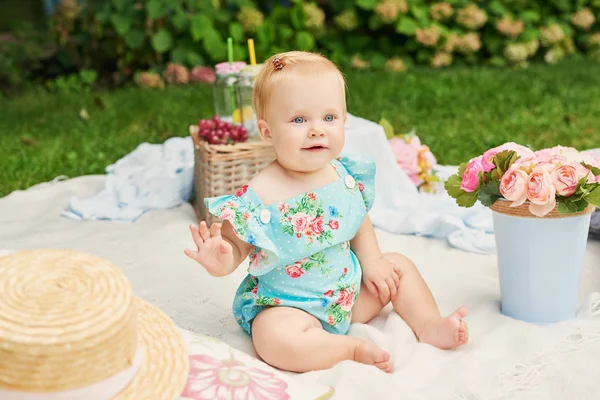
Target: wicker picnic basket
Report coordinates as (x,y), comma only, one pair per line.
(222,169)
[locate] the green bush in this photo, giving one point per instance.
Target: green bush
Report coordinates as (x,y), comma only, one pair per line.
(22,53)
(125,36)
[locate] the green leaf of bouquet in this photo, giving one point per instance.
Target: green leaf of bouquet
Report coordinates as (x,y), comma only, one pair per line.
(503,160)
(489,193)
(562,205)
(581,204)
(452,184)
(467,199)
(593,196)
(595,171)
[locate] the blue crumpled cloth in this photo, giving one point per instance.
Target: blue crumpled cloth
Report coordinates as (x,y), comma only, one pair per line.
(153,176)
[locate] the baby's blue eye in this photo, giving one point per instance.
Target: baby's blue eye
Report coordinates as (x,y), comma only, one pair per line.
(299,120)
(329,118)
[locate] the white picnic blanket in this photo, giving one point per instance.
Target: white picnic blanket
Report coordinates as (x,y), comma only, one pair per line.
(505,359)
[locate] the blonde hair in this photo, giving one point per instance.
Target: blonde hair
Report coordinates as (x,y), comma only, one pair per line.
(279,67)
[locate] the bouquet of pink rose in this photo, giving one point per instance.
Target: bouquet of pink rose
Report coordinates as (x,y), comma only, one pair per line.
(416,160)
(545,178)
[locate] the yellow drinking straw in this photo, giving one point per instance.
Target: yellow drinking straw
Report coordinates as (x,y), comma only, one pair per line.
(251,51)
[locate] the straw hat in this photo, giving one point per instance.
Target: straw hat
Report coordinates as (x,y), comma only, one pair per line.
(71,328)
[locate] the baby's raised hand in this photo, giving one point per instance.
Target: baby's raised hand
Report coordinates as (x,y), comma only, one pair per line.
(213,253)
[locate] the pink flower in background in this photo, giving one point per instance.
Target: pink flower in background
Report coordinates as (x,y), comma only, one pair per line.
(470,178)
(406,155)
(416,160)
(203,75)
(210,379)
(513,186)
(565,180)
(540,192)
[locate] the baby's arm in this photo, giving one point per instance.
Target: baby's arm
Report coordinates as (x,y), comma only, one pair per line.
(380,276)
(364,244)
(220,251)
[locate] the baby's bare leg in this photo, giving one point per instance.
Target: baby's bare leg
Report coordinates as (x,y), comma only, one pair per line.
(293,340)
(416,305)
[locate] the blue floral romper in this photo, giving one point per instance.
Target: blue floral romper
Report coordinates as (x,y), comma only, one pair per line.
(302,256)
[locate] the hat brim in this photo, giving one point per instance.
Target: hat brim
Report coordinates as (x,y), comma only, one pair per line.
(164,369)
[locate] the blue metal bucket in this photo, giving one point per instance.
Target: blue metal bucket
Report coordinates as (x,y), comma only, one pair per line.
(540,262)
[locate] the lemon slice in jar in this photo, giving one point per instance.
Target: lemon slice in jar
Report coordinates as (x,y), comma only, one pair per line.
(246,114)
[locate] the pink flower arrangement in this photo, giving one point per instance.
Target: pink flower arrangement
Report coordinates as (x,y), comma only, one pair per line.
(558,176)
(416,160)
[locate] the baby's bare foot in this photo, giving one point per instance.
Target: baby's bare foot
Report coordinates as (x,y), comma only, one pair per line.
(447,333)
(369,353)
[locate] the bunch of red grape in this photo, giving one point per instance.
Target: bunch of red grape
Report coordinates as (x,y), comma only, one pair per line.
(216,131)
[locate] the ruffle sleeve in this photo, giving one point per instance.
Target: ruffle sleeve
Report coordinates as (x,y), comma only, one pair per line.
(244,217)
(362,167)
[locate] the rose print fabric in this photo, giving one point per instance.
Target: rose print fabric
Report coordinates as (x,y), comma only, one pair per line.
(302,256)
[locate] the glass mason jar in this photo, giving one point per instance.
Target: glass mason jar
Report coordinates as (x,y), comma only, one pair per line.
(244,89)
(224,89)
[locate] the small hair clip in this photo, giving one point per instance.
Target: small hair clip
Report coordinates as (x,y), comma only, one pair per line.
(277,63)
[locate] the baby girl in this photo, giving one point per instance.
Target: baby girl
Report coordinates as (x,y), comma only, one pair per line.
(315,264)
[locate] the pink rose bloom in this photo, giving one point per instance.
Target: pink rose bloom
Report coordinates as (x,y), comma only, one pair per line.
(228,214)
(333,224)
(548,166)
(591,159)
(328,293)
(317,225)
(522,151)
(345,299)
(203,75)
(526,164)
(294,271)
(513,186)
(406,155)
(487,161)
(300,222)
(582,172)
(541,192)
(470,178)
(565,180)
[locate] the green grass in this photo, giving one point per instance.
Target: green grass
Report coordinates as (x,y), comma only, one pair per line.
(459,113)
